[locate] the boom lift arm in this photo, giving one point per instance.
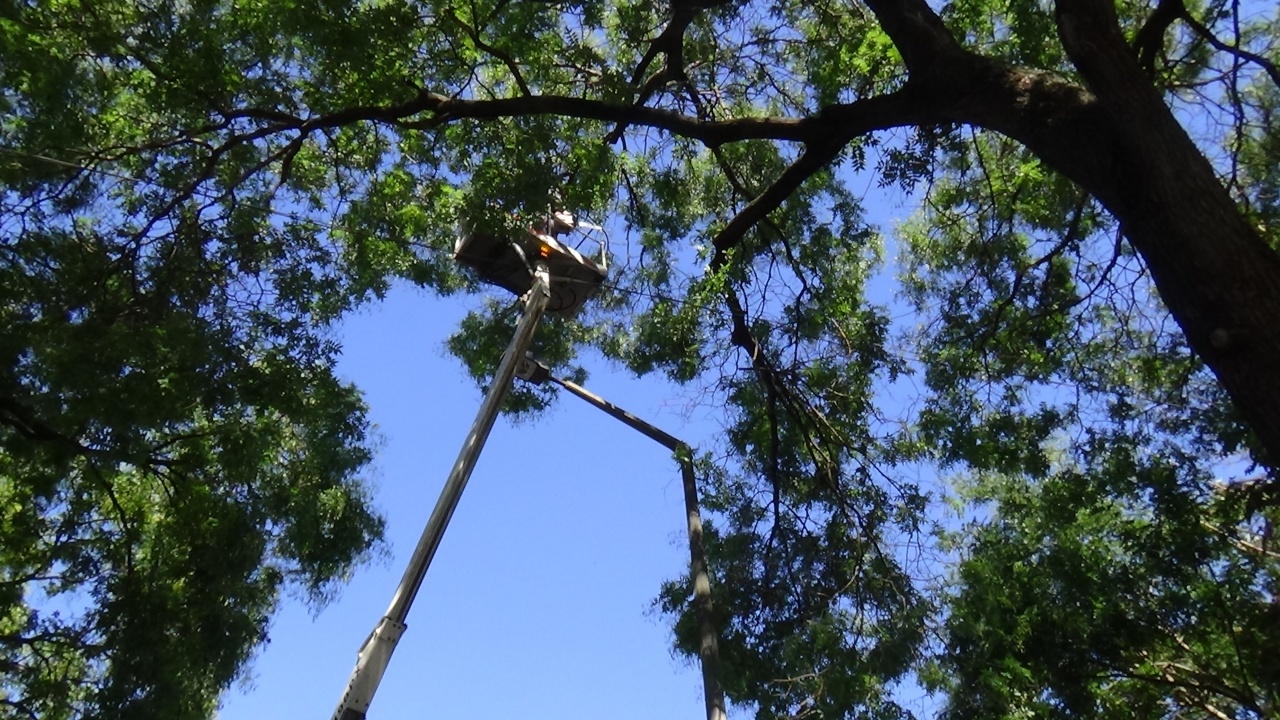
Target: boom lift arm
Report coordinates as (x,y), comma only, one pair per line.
(531,370)
(375,654)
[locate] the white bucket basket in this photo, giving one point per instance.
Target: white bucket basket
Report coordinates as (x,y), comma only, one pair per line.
(558,241)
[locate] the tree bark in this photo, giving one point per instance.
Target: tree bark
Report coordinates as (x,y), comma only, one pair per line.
(1119,141)
(1116,138)
(1215,273)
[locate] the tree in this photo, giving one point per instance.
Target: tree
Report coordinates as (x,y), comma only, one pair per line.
(249,171)
(175,450)
(1086,599)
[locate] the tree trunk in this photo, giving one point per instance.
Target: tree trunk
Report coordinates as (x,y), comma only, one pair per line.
(1215,273)
(1120,142)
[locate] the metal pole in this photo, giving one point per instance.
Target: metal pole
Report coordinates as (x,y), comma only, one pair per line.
(708,643)
(375,653)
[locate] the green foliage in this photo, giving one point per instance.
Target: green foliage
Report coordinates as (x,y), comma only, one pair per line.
(191,193)
(175,453)
(482,338)
(1111,590)
(1103,571)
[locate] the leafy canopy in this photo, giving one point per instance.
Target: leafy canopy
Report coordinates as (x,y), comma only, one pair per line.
(194,191)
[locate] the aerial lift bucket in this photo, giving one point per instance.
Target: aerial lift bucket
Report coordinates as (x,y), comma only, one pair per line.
(508,261)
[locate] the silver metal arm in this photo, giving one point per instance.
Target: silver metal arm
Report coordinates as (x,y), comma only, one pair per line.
(375,654)
(708,642)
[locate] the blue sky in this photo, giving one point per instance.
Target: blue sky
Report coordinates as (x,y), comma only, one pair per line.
(537,603)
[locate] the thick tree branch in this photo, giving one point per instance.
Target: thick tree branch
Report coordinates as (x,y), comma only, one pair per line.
(919,34)
(1200,29)
(1224,292)
(512,66)
(25,423)
(909,106)
(430,110)
(915,104)
(1149,41)
(811,161)
(1091,35)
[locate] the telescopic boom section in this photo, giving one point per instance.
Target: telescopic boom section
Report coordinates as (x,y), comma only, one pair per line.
(551,277)
(375,654)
